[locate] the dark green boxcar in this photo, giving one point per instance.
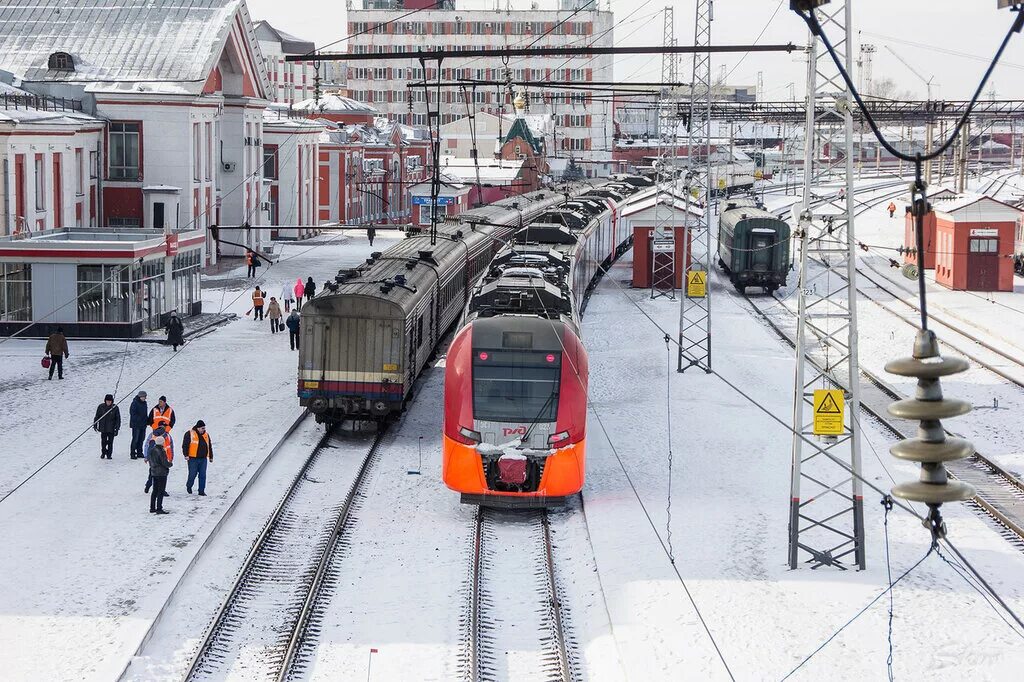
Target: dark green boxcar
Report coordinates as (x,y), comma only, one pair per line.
(753,248)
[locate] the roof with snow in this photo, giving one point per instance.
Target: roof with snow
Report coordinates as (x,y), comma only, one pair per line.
(332,102)
(116,40)
(977,206)
(520,129)
(289,43)
(648,197)
(492,171)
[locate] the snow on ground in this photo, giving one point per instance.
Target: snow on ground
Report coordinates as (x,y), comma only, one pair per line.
(729,523)
(93,566)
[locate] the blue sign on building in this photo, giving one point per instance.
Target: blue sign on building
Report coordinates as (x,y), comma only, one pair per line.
(425,201)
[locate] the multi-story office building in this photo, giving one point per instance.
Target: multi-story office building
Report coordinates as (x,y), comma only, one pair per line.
(582,125)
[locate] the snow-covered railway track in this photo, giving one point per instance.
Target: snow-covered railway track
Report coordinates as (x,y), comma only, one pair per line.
(515,628)
(262,622)
(1000,493)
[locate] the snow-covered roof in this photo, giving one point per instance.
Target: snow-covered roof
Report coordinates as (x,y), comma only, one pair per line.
(332,102)
(647,198)
(115,40)
(277,116)
(289,43)
(492,171)
(977,206)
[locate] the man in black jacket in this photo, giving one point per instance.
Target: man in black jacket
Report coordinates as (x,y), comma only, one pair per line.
(138,415)
(108,422)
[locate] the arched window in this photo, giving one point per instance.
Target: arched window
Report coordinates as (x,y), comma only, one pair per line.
(61,61)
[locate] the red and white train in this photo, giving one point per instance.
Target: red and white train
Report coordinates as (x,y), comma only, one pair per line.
(515,396)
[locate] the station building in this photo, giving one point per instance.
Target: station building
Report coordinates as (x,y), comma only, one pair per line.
(640,216)
(974,243)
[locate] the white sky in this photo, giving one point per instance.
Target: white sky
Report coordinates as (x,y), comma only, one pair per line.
(971,27)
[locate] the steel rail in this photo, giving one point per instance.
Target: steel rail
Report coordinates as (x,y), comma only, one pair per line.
(474,597)
(556,604)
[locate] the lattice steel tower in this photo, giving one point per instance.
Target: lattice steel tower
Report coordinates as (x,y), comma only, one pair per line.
(663,249)
(826,525)
(695,312)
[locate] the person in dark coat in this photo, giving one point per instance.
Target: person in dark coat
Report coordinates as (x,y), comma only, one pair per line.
(293,329)
(371,232)
(138,415)
(160,437)
(175,331)
(310,289)
(159,467)
(57,349)
(108,422)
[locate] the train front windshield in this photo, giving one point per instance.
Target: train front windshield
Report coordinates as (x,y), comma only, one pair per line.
(515,386)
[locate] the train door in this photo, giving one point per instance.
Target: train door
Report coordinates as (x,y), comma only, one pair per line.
(983,264)
(760,256)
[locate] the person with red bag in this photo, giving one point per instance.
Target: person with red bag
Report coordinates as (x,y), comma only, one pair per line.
(57,349)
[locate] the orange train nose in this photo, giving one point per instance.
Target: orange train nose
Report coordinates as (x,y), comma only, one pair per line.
(563,475)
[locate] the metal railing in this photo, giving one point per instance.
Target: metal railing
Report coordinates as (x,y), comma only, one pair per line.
(41,102)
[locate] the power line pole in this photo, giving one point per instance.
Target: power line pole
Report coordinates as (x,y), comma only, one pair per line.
(695,311)
(826,524)
(663,244)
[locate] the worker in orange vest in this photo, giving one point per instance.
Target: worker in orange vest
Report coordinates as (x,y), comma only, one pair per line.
(257,304)
(161,415)
(199,450)
(251,261)
(892,209)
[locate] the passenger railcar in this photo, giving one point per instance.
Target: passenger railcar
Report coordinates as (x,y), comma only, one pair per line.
(368,334)
(753,248)
(516,374)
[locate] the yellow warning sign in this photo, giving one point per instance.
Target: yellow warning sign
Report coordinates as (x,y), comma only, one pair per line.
(758,174)
(721,183)
(828,412)
(696,284)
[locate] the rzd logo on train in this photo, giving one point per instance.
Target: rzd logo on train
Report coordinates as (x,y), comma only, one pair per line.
(517,431)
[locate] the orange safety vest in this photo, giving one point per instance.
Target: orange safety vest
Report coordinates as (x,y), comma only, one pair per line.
(248,258)
(892,206)
(193,443)
(162,418)
(257,298)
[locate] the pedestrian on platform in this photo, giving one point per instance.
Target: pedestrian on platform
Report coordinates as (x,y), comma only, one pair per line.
(57,349)
(163,439)
(299,289)
(293,329)
(371,232)
(287,296)
(107,421)
(198,450)
(257,304)
(274,314)
(251,261)
(175,331)
(892,209)
(159,466)
(137,415)
(310,288)
(162,414)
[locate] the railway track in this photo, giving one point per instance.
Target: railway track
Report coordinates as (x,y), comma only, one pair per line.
(515,628)
(263,621)
(1000,492)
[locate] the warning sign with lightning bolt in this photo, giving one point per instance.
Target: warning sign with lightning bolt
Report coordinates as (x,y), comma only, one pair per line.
(828,412)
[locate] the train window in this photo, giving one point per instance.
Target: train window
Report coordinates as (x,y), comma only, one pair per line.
(517,340)
(513,386)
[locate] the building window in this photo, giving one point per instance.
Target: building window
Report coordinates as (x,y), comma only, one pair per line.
(94,165)
(15,292)
(124,150)
(61,61)
(209,151)
(40,183)
(270,161)
(103,293)
(79,172)
(197,153)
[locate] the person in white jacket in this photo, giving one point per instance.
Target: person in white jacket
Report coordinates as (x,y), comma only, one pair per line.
(287,295)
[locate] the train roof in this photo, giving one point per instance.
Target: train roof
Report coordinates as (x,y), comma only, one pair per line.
(730,219)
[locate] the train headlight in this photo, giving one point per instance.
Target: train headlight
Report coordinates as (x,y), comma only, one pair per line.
(469,434)
(556,438)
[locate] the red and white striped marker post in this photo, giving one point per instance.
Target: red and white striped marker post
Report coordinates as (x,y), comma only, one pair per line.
(369,663)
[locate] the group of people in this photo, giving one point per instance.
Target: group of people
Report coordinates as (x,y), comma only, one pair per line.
(157,450)
(289,294)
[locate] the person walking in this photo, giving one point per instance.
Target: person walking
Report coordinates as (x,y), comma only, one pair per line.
(175,331)
(293,329)
(251,261)
(371,232)
(199,451)
(287,296)
(892,209)
(310,288)
(299,289)
(162,415)
(107,421)
(57,349)
(160,437)
(274,314)
(137,413)
(257,304)
(159,466)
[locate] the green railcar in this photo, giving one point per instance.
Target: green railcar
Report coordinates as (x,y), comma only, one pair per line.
(753,248)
